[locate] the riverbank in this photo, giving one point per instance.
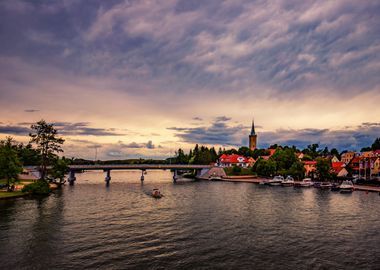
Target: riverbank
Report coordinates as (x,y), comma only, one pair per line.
(11,195)
(255,180)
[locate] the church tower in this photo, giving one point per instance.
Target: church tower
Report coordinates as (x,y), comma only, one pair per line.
(253,137)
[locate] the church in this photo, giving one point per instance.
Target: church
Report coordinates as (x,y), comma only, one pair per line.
(253,137)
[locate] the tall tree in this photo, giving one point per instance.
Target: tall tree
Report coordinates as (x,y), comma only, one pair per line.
(323,169)
(10,165)
(44,135)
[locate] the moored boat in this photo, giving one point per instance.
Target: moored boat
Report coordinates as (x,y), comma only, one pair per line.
(325,185)
(306,182)
(346,187)
(288,182)
(276,181)
(335,187)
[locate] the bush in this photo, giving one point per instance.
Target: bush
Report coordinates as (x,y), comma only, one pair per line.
(38,188)
(236,169)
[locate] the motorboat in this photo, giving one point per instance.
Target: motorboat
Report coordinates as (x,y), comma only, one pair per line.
(215,178)
(156,193)
(325,185)
(276,181)
(264,182)
(346,187)
(306,182)
(288,182)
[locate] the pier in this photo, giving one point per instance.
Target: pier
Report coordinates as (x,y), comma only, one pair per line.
(143,167)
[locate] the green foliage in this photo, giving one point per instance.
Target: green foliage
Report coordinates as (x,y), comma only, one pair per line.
(60,168)
(48,144)
(312,150)
(323,169)
(232,171)
(297,170)
(236,169)
(265,167)
(245,151)
(284,159)
(10,165)
(39,187)
(335,152)
(376,144)
(28,155)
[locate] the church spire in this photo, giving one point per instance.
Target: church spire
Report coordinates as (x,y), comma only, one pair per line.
(253,128)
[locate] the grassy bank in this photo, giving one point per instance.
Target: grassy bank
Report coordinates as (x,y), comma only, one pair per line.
(237,171)
(14,194)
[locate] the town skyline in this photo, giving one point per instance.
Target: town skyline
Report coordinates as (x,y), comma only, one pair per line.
(140,79)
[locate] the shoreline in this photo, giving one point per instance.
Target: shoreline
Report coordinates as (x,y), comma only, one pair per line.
(255,180)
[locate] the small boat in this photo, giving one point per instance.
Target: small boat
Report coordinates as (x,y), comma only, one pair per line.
(306,182)
(156,193)
(276,181)
(263,182)
(215,178)
(346,187)
(325,185)
(288,182)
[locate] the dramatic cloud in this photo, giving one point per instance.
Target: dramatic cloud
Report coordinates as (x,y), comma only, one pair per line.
(218,133)
(303,69)
(14,130)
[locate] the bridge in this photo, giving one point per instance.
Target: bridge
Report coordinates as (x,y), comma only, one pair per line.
(143,167)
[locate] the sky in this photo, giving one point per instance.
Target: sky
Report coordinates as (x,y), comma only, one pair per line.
(127,79)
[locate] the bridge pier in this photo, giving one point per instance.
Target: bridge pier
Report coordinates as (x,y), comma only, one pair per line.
(175,176)
(108,177)
(72,177)
(142,175)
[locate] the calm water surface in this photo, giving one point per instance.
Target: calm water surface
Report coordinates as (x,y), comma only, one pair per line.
(197,225)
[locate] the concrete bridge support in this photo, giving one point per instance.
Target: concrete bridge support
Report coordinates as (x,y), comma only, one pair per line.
(175,176)
(72,177)
(108,177)
(142,175)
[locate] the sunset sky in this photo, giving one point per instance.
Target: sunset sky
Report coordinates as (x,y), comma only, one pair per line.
(142,78)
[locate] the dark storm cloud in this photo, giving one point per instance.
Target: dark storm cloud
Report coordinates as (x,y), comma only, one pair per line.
(63,128)
(352,139)
(217,133)
(82,128)
(14,130)
(197,118)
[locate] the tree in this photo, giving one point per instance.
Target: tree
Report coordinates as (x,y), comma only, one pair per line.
(323,169)
(284,159)
(265,167)
(297,170)
(376,144)
(48,144)
(10,165)
(60,168)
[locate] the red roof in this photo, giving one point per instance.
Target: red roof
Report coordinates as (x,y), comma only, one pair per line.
(310,162)
(233,159)
(337,166)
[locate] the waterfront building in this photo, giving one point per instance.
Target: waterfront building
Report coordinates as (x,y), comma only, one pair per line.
(339,169)
(234,159)
(347,157)
(253,137)
(310,167)
(335,159)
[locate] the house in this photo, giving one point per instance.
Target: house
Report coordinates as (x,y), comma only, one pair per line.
(251,161)
(300,155)
(310,166)
(365,166)
(339,169)
(335,159)
(234,159)
(347,157)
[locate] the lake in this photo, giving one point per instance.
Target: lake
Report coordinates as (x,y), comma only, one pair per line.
(196,225)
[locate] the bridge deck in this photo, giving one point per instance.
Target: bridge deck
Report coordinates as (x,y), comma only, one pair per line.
(138,167)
